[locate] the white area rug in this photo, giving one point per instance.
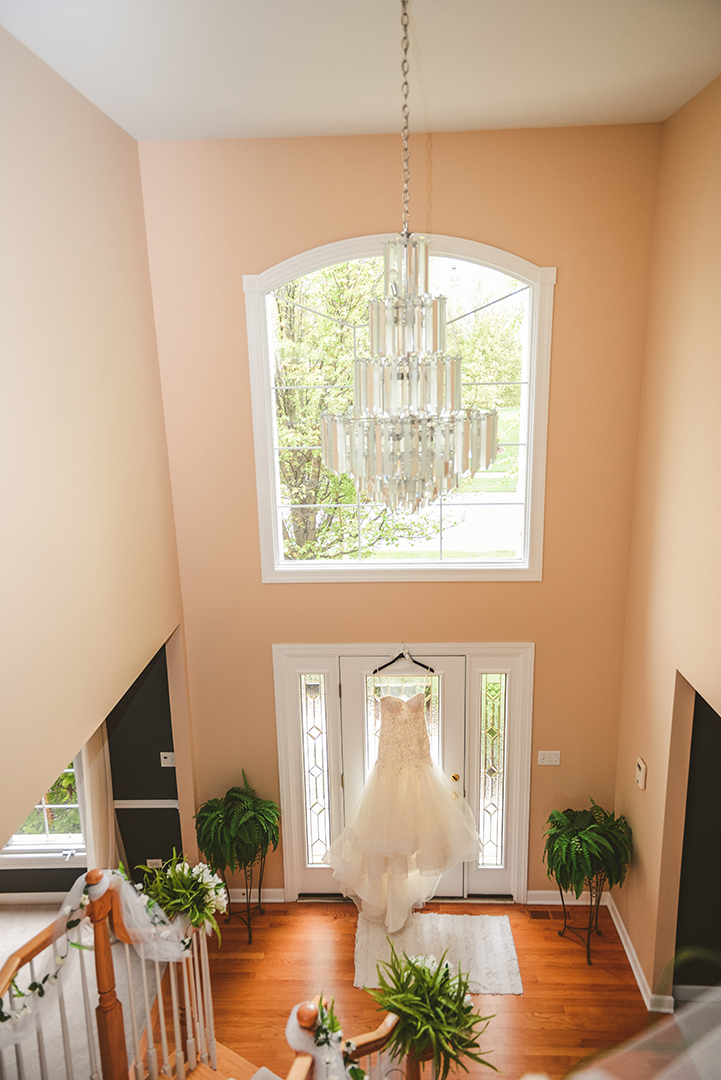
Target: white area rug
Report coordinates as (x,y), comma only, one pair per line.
(482,944)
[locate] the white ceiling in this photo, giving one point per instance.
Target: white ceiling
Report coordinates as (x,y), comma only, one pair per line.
(200,69)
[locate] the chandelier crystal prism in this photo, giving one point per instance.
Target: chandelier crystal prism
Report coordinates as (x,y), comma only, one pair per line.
(407,440)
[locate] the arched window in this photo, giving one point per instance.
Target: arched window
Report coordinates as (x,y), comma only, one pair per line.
(307,320)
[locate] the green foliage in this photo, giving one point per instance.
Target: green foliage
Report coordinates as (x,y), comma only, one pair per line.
(189,893)
(60,819)
(328,1033)
(435,1012)
(583,843)
(328,1023)
(236,831)
(318,322)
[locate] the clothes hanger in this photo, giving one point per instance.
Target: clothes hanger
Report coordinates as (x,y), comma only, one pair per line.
(403,655)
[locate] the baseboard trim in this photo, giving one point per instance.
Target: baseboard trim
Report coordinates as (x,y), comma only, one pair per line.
(49,899)
(682,992)
(661,1003)
(549,897)
(270,896)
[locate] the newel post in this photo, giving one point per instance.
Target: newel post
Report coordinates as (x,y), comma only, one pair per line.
(109,1012)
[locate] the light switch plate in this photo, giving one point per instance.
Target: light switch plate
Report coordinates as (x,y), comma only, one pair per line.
(641,772)
(154,864)
(167,761)
(549,757)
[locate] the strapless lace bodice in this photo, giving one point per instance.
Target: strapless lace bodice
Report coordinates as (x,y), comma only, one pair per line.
(403,741)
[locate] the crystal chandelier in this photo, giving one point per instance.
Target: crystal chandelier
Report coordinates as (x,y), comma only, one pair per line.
(407,439)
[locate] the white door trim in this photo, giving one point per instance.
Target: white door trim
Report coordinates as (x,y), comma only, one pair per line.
(288,660)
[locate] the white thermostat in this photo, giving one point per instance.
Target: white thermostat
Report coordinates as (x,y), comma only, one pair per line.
(640,772)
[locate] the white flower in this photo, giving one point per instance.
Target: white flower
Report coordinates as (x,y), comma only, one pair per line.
(468,1000)
(139,887)
(60,960)
(67,910)
(84,900)
(145,899)
(165,933)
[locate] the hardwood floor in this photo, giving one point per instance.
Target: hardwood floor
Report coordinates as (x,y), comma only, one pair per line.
(568,1010)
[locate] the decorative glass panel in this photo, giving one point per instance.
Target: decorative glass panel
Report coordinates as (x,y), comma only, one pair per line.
(492,766)
(403,686)
(315,767)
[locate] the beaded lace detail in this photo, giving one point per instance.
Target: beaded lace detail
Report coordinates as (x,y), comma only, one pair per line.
(403,741)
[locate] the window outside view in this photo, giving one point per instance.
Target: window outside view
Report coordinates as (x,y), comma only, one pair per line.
(55,821)
(318,325)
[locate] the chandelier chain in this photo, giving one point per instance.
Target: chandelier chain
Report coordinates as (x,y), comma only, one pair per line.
(405,114)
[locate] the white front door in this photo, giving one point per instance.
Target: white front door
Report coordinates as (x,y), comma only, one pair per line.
(445,688)
(480,700)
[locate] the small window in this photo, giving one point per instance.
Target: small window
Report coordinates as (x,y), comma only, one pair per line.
(308,321)
(52,833)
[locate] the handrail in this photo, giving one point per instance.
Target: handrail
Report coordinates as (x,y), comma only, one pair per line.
(368,1043)
(24,955)
(105,913)
(44,938)
(373,1041)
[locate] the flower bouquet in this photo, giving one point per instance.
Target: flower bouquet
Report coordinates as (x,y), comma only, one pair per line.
(190,893)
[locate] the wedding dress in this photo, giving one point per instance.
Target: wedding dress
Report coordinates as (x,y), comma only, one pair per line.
(408,828)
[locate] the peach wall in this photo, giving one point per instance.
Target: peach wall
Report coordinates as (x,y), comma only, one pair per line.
(674,607)
(89,571)
(579,199)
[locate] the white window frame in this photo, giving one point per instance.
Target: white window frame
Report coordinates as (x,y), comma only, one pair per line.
(50,855)
(257,287)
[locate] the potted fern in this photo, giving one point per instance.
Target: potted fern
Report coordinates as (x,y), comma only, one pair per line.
(236,833)
(435,1010)
(587,848)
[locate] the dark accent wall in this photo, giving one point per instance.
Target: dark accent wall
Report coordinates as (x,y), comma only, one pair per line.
(698,924)
(139,729)
(39,881)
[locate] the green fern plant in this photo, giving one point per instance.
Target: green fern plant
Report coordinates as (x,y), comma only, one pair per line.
(581,844)
(236,833)
(436,1016)
(587,848)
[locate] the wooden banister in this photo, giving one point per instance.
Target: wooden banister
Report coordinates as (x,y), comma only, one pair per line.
(369,1043)
(24,955)
(42,940)
(109,1012)
(373,1041)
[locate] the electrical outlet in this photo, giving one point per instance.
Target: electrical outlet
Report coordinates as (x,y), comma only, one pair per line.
(154,864)
(549,757)
(167,760)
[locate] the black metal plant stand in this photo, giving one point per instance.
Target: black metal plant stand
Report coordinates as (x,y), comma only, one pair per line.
(250,908)
(595,889)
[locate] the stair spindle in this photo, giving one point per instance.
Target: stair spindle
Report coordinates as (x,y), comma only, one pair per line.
(179,1056)
(67,1054)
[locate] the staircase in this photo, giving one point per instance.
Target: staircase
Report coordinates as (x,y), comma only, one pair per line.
(179,1041)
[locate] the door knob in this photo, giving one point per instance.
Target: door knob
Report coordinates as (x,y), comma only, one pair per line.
(455,777)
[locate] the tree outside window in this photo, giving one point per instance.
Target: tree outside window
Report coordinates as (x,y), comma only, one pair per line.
(55,820)
(318,326)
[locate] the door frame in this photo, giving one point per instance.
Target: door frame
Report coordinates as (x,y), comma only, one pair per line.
(288,660)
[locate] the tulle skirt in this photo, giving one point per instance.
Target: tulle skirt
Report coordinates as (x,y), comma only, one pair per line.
(406,832)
